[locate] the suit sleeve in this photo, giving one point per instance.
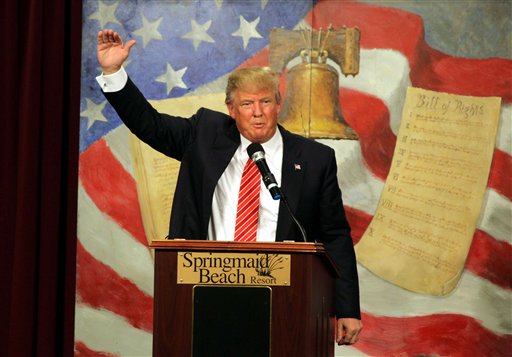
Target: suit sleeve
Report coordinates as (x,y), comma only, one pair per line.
(338,243)
(168,134)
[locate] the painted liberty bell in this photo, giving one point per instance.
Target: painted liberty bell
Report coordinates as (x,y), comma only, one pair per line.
(311,105)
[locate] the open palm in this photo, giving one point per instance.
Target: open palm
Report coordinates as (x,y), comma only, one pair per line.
(111,51)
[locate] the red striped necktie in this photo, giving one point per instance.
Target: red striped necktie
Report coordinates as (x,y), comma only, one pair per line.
(248,204)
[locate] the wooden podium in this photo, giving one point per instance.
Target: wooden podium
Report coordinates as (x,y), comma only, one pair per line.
(242,299)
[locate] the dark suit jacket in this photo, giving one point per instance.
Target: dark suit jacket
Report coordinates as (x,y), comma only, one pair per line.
(205,144)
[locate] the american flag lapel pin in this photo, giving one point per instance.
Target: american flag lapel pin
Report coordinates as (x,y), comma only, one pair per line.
(297,167)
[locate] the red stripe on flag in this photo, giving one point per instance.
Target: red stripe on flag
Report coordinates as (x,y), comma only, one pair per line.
(369,117)
(430,69)
(358,221)
(81,350)
(490,259)
(112,188)
(259,59)
(380,27)
(500,177)
(434,335)
(100,286)
(474,77)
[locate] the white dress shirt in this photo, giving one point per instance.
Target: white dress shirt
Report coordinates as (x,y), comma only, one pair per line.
(225,197)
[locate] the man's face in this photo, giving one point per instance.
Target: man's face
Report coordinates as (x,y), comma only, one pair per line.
(255,114)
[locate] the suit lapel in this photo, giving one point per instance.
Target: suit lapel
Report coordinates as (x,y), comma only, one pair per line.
(292,177)
(224,145)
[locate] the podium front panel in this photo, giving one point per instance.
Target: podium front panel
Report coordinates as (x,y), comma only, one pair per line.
(231,321)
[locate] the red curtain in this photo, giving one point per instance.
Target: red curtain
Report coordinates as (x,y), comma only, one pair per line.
(39,124)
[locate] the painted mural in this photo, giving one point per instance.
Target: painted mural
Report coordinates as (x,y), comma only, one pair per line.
(187,48)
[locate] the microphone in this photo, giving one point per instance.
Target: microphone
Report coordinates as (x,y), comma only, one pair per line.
(257,154)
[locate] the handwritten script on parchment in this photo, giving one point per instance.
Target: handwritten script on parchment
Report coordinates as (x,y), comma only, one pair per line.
(422,230)
(155,173)
(156,176)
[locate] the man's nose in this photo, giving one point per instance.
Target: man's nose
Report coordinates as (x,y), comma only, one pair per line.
(256,109)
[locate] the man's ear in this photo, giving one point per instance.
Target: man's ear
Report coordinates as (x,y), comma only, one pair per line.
(231,110)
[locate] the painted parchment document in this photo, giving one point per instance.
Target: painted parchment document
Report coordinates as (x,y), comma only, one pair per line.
(421,233)
(156,174)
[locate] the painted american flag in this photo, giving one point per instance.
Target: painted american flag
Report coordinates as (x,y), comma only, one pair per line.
(189,47)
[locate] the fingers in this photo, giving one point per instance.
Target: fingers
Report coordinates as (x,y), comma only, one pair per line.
(129,44)
(102,37)
(347,339)
(109,37)
(348,331)
(350,338)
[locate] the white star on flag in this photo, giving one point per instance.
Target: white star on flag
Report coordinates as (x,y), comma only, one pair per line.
(93,112)
(247,30)
(172,78)
(149,30)
(105,14)
(199,33)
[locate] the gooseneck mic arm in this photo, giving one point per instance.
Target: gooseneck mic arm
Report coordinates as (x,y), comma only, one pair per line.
(257,154)
(301,229)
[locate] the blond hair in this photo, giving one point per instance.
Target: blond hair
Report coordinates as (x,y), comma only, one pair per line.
(252,79)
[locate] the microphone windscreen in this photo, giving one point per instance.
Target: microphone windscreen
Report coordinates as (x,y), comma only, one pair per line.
(254,147)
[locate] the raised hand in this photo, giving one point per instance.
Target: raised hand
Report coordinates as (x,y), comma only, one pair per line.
(111,51)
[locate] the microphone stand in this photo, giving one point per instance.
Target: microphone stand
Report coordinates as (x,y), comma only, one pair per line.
(302,230)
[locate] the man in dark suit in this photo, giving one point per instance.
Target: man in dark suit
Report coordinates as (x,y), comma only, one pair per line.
(212,148)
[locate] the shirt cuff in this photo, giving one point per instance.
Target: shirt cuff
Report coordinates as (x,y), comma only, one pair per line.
(113,82)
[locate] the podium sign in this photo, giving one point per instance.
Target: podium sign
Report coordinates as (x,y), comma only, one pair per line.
(233,268)
(243,299)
